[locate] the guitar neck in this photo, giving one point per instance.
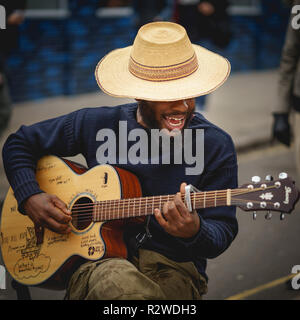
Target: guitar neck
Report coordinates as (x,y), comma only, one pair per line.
(143,206)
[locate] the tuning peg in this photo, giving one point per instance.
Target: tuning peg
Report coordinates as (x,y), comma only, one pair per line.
(282,175)
(254,215)
(255,179)
(268,216)
(269,178)
(282,216)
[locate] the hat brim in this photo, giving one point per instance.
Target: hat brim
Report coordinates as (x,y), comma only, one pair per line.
(114,78)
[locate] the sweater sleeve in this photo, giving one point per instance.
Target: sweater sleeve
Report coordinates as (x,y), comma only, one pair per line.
(218,226)
(59,136)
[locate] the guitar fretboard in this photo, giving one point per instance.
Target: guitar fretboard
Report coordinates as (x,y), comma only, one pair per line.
(143,206)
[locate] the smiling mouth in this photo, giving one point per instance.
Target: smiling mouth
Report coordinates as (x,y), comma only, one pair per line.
(174,121)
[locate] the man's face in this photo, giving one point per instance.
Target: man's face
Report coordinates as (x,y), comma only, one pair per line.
(171,115)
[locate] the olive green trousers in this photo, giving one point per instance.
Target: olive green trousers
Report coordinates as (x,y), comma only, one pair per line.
(149,277)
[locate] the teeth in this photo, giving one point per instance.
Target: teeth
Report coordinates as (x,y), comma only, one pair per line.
(176,124)
(173,124)
(176,119)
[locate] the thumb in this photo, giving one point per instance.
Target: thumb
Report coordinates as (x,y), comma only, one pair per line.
(61,205)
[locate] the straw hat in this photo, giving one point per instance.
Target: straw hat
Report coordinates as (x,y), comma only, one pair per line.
(162,65)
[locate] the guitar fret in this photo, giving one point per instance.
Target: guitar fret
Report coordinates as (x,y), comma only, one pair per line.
(204,196)
(140,206)
(194,195)
(107,209)
(216,198)
(159,202)
(153,204)
(133,206)
(128,214)
(118,209)
(146,205)
(123,208)
(111,209)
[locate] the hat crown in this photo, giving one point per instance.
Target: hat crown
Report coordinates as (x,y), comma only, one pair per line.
(160,44)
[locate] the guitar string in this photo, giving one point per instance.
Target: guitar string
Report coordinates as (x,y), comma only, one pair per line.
(209,195)
(156,203)
(107,211)
(129,214)
(112,204)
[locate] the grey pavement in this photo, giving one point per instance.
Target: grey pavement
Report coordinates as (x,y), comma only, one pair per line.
(242,107)
(264,250)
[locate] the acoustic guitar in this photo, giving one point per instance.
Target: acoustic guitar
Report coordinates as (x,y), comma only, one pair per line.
(102,200)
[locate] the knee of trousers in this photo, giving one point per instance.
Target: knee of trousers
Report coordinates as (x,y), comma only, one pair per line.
(113,279)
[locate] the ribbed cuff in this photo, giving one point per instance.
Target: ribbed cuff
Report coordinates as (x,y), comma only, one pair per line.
(24,185)
(203,236)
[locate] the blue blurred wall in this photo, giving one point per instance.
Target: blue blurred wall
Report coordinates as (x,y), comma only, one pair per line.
(58,56)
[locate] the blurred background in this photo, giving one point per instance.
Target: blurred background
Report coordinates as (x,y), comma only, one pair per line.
(49,70)
(61,41)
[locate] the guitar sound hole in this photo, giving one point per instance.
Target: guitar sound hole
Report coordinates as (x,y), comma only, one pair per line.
(82,213)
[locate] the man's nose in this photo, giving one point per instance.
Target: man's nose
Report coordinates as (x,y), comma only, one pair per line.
(181,104)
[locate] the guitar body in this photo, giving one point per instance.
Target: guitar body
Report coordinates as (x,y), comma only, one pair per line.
(47,258)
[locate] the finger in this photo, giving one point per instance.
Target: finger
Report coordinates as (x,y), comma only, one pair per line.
(182,188)
(180,206)
(159,218)
(61,205)
(57,227)
(170,212)
(58,215)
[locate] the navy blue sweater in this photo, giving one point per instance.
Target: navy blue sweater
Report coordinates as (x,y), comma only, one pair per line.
(76,133)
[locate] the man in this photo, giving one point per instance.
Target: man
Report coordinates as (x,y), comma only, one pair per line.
(14,11)
(163,71)
(289,87)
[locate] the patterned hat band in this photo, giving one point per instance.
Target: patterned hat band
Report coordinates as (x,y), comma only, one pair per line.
(164,73)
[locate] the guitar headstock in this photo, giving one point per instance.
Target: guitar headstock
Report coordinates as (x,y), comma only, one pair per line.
(279,195)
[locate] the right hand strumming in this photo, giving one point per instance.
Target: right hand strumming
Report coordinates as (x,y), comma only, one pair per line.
(47,210)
